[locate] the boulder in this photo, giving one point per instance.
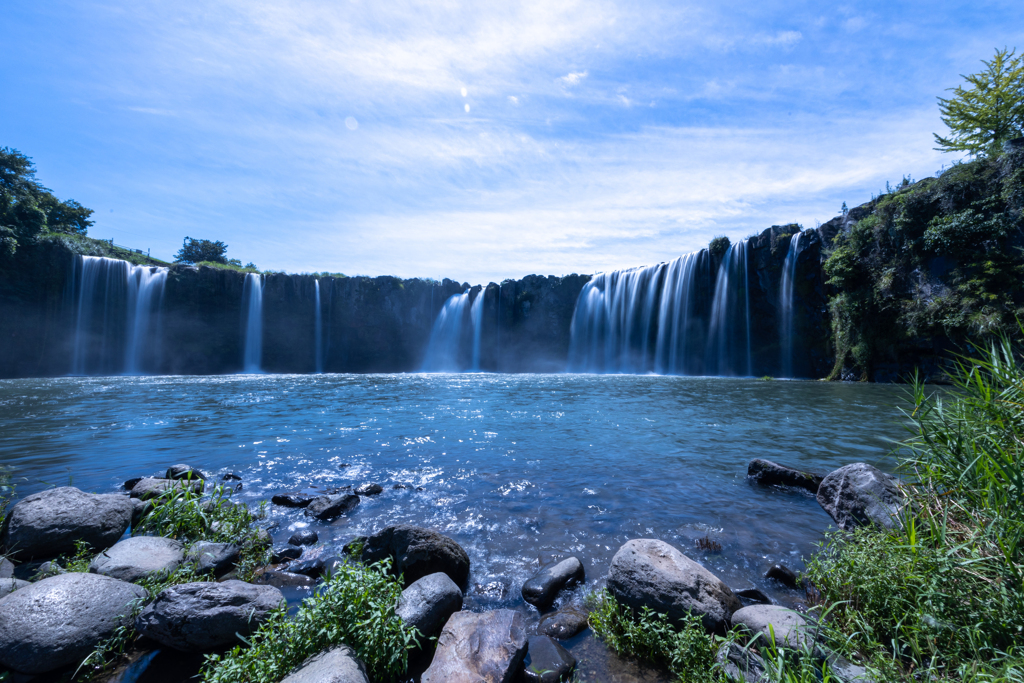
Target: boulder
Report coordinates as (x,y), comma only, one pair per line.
(547,661)
(768,473)
(183,472)
(791,630)
(313,567)
(47,569)
(563,624)
(304,537)
(428,603)
(48,523)
(231,476)
(784,575)
(280,579)
(6,568)
(651,573)
(331,507)
(337,665)
(292,499)
(204,616)
(130,483)
(753,596)
(741,665)
(370,489)
(283,553)
(151,487)
(541,590)
(860,494)
(417,552)
(137,558)
(10,584)
(474,647)
(59,621)
(219,558)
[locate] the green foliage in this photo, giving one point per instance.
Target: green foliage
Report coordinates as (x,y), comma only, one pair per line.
(718,246)
(233,264)
(989,111)
(7,489)
(354,606)
(966,231)
(687,652)
(198,251)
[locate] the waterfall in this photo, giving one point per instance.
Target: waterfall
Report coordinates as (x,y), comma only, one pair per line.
(729,348)
(252,309)
(786,336)
(476,314)
(446,336)
(680,343)
(117,316)
(318,327)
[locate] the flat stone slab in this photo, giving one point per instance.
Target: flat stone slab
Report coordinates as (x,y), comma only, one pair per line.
(47,524)
(136,558)
(59,621)
(337,665)
(475,647)
(542,589)
(429,602)
(151,487)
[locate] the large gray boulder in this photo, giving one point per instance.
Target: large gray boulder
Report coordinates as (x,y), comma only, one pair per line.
(151,487)
(860,494)
(651,573)
(337,665)
(428,603)
(204,616)
(48,523)
(768,473)
(326,508)
(59,621)
(9,585)
(417,552)
(136,558)
(790,629)
(475,647)
(542,589)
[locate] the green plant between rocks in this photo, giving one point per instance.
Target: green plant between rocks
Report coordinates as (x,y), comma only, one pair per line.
(355,606)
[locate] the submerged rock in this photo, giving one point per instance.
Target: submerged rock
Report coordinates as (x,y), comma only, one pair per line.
(428,603)
(313,567)
(48,523)
(651,573)
(293,499)
(331,507)
(282,579)
(137,558)
(784,575)
(474,647)
(59,621)
(304,537)
(768,473)
(546,661)
(417,552)
(860,494)
(151,487)
(563,624)
(370,489)
(337,665)
(282,553)
(541,590)
(203,616)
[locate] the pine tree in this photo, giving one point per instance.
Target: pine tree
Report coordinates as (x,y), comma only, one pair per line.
(988,112)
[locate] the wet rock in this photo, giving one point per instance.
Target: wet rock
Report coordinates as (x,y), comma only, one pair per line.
(151,487)
(741,666)
(401,486)
(860,494)
(48,523)
(791,630)
(6,568)
(541,590)
(753,596)
(428,603)
(130,484)
(231,476)
(292,499)
(651,573)
(784,575)
(369,489)
(9,584)
(283,553)
(478,646)
(219,558)
(563,624)
(137,558)
(313,567)
(337,665)
(417,552)
(304,537)
(60,620)
(547,661)
(203,616)
(280,579)
(331,507)
(768,473)
(183,472)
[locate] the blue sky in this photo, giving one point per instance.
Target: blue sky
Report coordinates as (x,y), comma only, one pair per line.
(478,140)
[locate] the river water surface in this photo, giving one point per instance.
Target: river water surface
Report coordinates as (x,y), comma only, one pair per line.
(519,469)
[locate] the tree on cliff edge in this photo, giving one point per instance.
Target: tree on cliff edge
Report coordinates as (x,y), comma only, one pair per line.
(989,112)
(196,251)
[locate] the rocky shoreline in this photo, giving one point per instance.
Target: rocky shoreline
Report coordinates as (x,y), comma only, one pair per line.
(202,595)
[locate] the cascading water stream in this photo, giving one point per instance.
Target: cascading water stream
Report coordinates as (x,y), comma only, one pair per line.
(786,327)
(145,296)
(680,343)
(729,336)
(476,315)
(252,307)
(446,336)
(318,327)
